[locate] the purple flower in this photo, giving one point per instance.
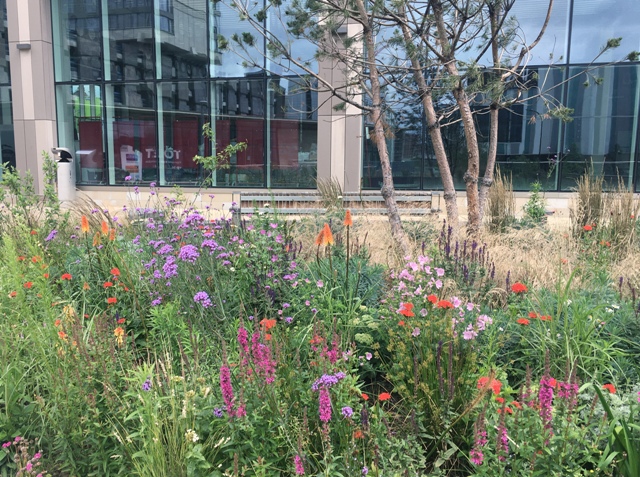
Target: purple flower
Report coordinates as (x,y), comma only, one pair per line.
(347,411)
(217,412)
(146,386)
(127,179)
(189,253)
(327,380)
(51,236)
(415,332)
(202,297)
(365,470)
(170,267)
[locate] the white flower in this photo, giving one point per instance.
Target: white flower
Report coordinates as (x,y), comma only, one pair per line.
(191,436)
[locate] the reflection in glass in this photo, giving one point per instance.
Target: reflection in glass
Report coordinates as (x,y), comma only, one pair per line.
(77,40)
(183,39)
(80,129)
(293,135)
(5,73)
(129,28)
(7,141)
(224,24)
(600,136)
(596,21)
(131,132)
(185,109)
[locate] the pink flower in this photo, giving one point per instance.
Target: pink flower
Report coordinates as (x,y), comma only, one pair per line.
(297,460)
(324,402)
(6,444)
(227,389)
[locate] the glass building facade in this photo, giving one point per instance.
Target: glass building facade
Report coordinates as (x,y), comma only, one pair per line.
(7,141)
(604,133)
(136,81)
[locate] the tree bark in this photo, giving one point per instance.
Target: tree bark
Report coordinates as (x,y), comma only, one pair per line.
(377,118)
(435,134)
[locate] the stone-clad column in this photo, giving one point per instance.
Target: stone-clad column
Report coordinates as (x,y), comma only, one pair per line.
(32,83)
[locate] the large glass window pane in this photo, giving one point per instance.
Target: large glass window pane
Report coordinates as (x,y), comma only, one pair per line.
(80,130)
(5,73)
(227,62)
(130,27)
(131,132)
(596,21)
(600,136)
(239,117)
(7,141)
(293,134)
(185,108)
(77,39)
(528,136)
(530,17)
(183,39)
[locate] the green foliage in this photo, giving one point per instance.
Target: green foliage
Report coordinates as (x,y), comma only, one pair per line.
(219,159)
(534,209)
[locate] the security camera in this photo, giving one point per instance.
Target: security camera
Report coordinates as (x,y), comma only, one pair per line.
(63,153)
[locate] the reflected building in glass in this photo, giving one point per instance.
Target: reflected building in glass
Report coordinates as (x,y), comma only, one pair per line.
(127,86)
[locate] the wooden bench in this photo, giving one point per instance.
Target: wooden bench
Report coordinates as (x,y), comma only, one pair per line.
(310,202)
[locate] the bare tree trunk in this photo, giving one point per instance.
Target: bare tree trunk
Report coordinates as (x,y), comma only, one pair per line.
(435,133)
(462,100)
(487,180)
(377,118)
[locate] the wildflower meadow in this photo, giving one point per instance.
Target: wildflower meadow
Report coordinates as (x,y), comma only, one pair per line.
(168,341)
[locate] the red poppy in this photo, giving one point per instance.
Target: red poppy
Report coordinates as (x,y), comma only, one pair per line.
(609,387)
(62,335)
(34,232)
(57,323)
(121,321)
(405,309)
(358,434)
(546,318)
(112,301)
(444,304)
(522,321)
(401,323)
(533,315)
(66,276)
(507,410)
(115,272)
(46,275)
(13,294)
(500,400)
(587,228)
(432,299)
(107,284)
(384,397)
(518,287)
(552,382)
(365,396)
(516,404)
(28,284)
(21,258)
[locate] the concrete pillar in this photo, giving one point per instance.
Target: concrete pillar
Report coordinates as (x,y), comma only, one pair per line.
(32,83)
(339,131)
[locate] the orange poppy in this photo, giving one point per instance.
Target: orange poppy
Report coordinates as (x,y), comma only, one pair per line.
(522,321)
(66,276)
(587,228)
(609,387)
(358,434)
(13,294)
(365,396)
(112,301)
(432,299)
(384,397)
(115,272)
(444,304)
